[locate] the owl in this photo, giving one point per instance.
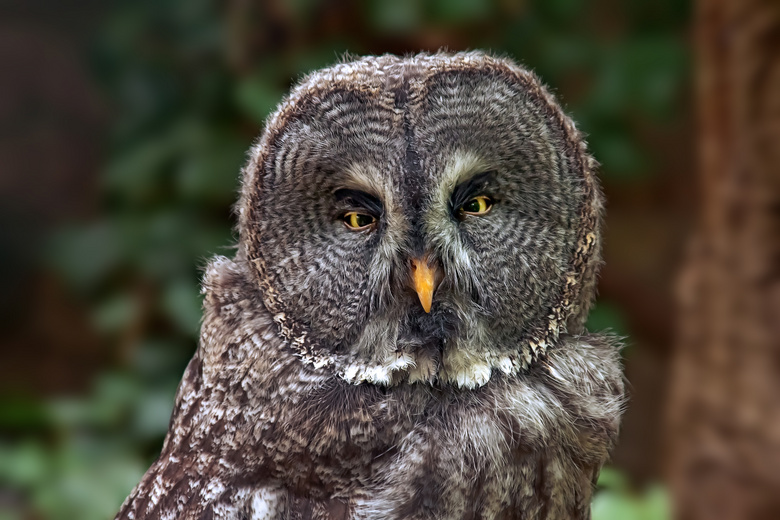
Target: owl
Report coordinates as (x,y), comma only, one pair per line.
(401,332)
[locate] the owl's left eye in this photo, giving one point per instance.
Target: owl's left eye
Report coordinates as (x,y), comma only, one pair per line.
(479,205)
(357,221)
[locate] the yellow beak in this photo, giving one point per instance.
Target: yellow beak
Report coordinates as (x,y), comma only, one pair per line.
(425,279)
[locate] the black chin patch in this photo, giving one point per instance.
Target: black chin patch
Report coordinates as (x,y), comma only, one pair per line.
(427,332)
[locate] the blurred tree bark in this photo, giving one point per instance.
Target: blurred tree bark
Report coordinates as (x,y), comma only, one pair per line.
(724,427)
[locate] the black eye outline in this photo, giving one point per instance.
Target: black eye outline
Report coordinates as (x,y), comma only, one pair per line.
(469,190)
(354,206)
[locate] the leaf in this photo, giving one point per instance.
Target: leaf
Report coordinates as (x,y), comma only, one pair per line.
(619,155)
(211,169)
(136,173)
(656,70)
(610,478)
(609,505)
(256,96)
(86,256)
(560,12)
(153,413)
(460,11)
(88,487)
(24,464)
(607,316)
(395,16)
(615,500)
(116,313)
(181,302)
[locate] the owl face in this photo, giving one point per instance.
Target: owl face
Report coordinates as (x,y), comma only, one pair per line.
(423,219)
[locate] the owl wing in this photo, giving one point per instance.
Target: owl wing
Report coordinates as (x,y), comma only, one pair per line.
(176,484)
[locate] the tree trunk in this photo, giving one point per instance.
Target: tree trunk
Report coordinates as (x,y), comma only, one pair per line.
(724,427)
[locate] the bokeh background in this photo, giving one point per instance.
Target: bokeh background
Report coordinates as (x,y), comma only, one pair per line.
(123,128)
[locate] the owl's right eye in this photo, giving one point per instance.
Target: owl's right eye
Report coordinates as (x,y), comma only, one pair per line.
(358,221)
(480,205)
(357,209)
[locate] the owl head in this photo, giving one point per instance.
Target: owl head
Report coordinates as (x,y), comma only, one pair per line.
(433,218)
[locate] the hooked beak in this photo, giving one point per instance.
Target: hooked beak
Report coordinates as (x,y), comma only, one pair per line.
(425,279)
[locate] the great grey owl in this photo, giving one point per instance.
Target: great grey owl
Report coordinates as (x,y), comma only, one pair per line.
(401,332)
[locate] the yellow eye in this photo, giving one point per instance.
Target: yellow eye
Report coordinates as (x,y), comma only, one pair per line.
(477,206)
(358,221)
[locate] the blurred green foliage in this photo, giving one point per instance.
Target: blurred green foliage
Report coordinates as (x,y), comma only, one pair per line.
(185,113)
(616,500)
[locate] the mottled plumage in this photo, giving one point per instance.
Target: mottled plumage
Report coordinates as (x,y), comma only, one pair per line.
(322,388)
